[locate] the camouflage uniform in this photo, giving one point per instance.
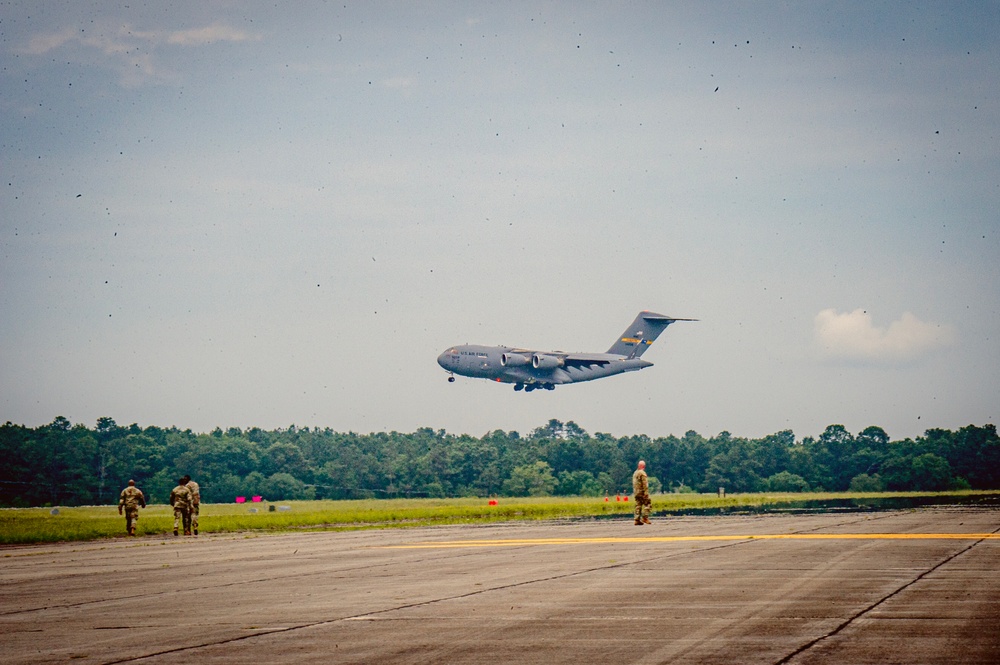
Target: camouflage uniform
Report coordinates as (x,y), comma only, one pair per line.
(195,504)
(130,500)
(643,504)
(180,499)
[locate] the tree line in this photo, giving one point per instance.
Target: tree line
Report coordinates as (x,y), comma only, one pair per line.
(66,464)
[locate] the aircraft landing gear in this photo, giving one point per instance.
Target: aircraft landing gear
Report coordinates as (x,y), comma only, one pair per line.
(528,387)
(451,379)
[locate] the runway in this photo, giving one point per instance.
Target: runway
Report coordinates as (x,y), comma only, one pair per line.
(916,586)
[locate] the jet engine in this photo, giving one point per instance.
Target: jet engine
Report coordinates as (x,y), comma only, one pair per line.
(541,361)
(514,360)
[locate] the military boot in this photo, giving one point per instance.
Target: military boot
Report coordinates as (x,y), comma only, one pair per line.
(196,532)
(175,532)
(638,522)
(645,520)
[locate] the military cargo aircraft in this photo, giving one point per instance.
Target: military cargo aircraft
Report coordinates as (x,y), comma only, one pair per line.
(530,370)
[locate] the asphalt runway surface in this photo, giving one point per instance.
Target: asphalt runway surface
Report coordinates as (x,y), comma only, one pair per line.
(916,586)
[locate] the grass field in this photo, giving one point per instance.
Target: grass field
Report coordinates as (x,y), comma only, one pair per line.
(35,525)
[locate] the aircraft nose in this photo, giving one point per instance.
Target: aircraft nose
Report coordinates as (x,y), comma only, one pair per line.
(443,360)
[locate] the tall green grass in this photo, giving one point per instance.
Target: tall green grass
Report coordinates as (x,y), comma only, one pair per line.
(35,525)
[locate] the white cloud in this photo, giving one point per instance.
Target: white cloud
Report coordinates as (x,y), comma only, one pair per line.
(40,44)
(853,336)
(208,35)
(115,39)
(131,51)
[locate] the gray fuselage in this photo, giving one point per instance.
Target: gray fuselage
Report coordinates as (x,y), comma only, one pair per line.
(528,369)
(487,362)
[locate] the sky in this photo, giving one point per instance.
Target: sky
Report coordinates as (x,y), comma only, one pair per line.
(232,214)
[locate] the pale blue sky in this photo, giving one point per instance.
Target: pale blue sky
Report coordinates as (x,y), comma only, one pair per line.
(231,214)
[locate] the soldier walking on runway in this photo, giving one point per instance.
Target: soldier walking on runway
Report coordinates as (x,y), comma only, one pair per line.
(130,500)
(180,499)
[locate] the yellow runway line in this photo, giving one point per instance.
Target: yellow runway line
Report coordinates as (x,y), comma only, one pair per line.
(517,542)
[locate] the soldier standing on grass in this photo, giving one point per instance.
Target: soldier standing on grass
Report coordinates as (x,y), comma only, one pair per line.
(195,501)
(131,499)
(640,487)
(180,499)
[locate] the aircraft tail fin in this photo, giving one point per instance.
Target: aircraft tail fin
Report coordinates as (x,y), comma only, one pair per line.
(643,331)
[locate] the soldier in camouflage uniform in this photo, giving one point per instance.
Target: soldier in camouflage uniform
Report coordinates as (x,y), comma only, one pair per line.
(640,487)
(180,499)
(195,502)
(130,499)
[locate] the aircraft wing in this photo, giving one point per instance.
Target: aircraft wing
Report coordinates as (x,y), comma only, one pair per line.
(571,359)
(587,359)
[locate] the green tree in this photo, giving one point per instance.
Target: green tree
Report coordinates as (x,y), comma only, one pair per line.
(15,465)
(283,487)
(874,438)
(772,452)
(118,460)
(254,484)
(896,472)
(865,483)
(693,457)
(530,480)
(783,481)
(834,447)
(655,486)
(735,469)
(62,463)
(158,487)
(572,483)
(284,458)
(566,454)
(800,462)
(226,488)
(606,483)
(973,453)
(930,472)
